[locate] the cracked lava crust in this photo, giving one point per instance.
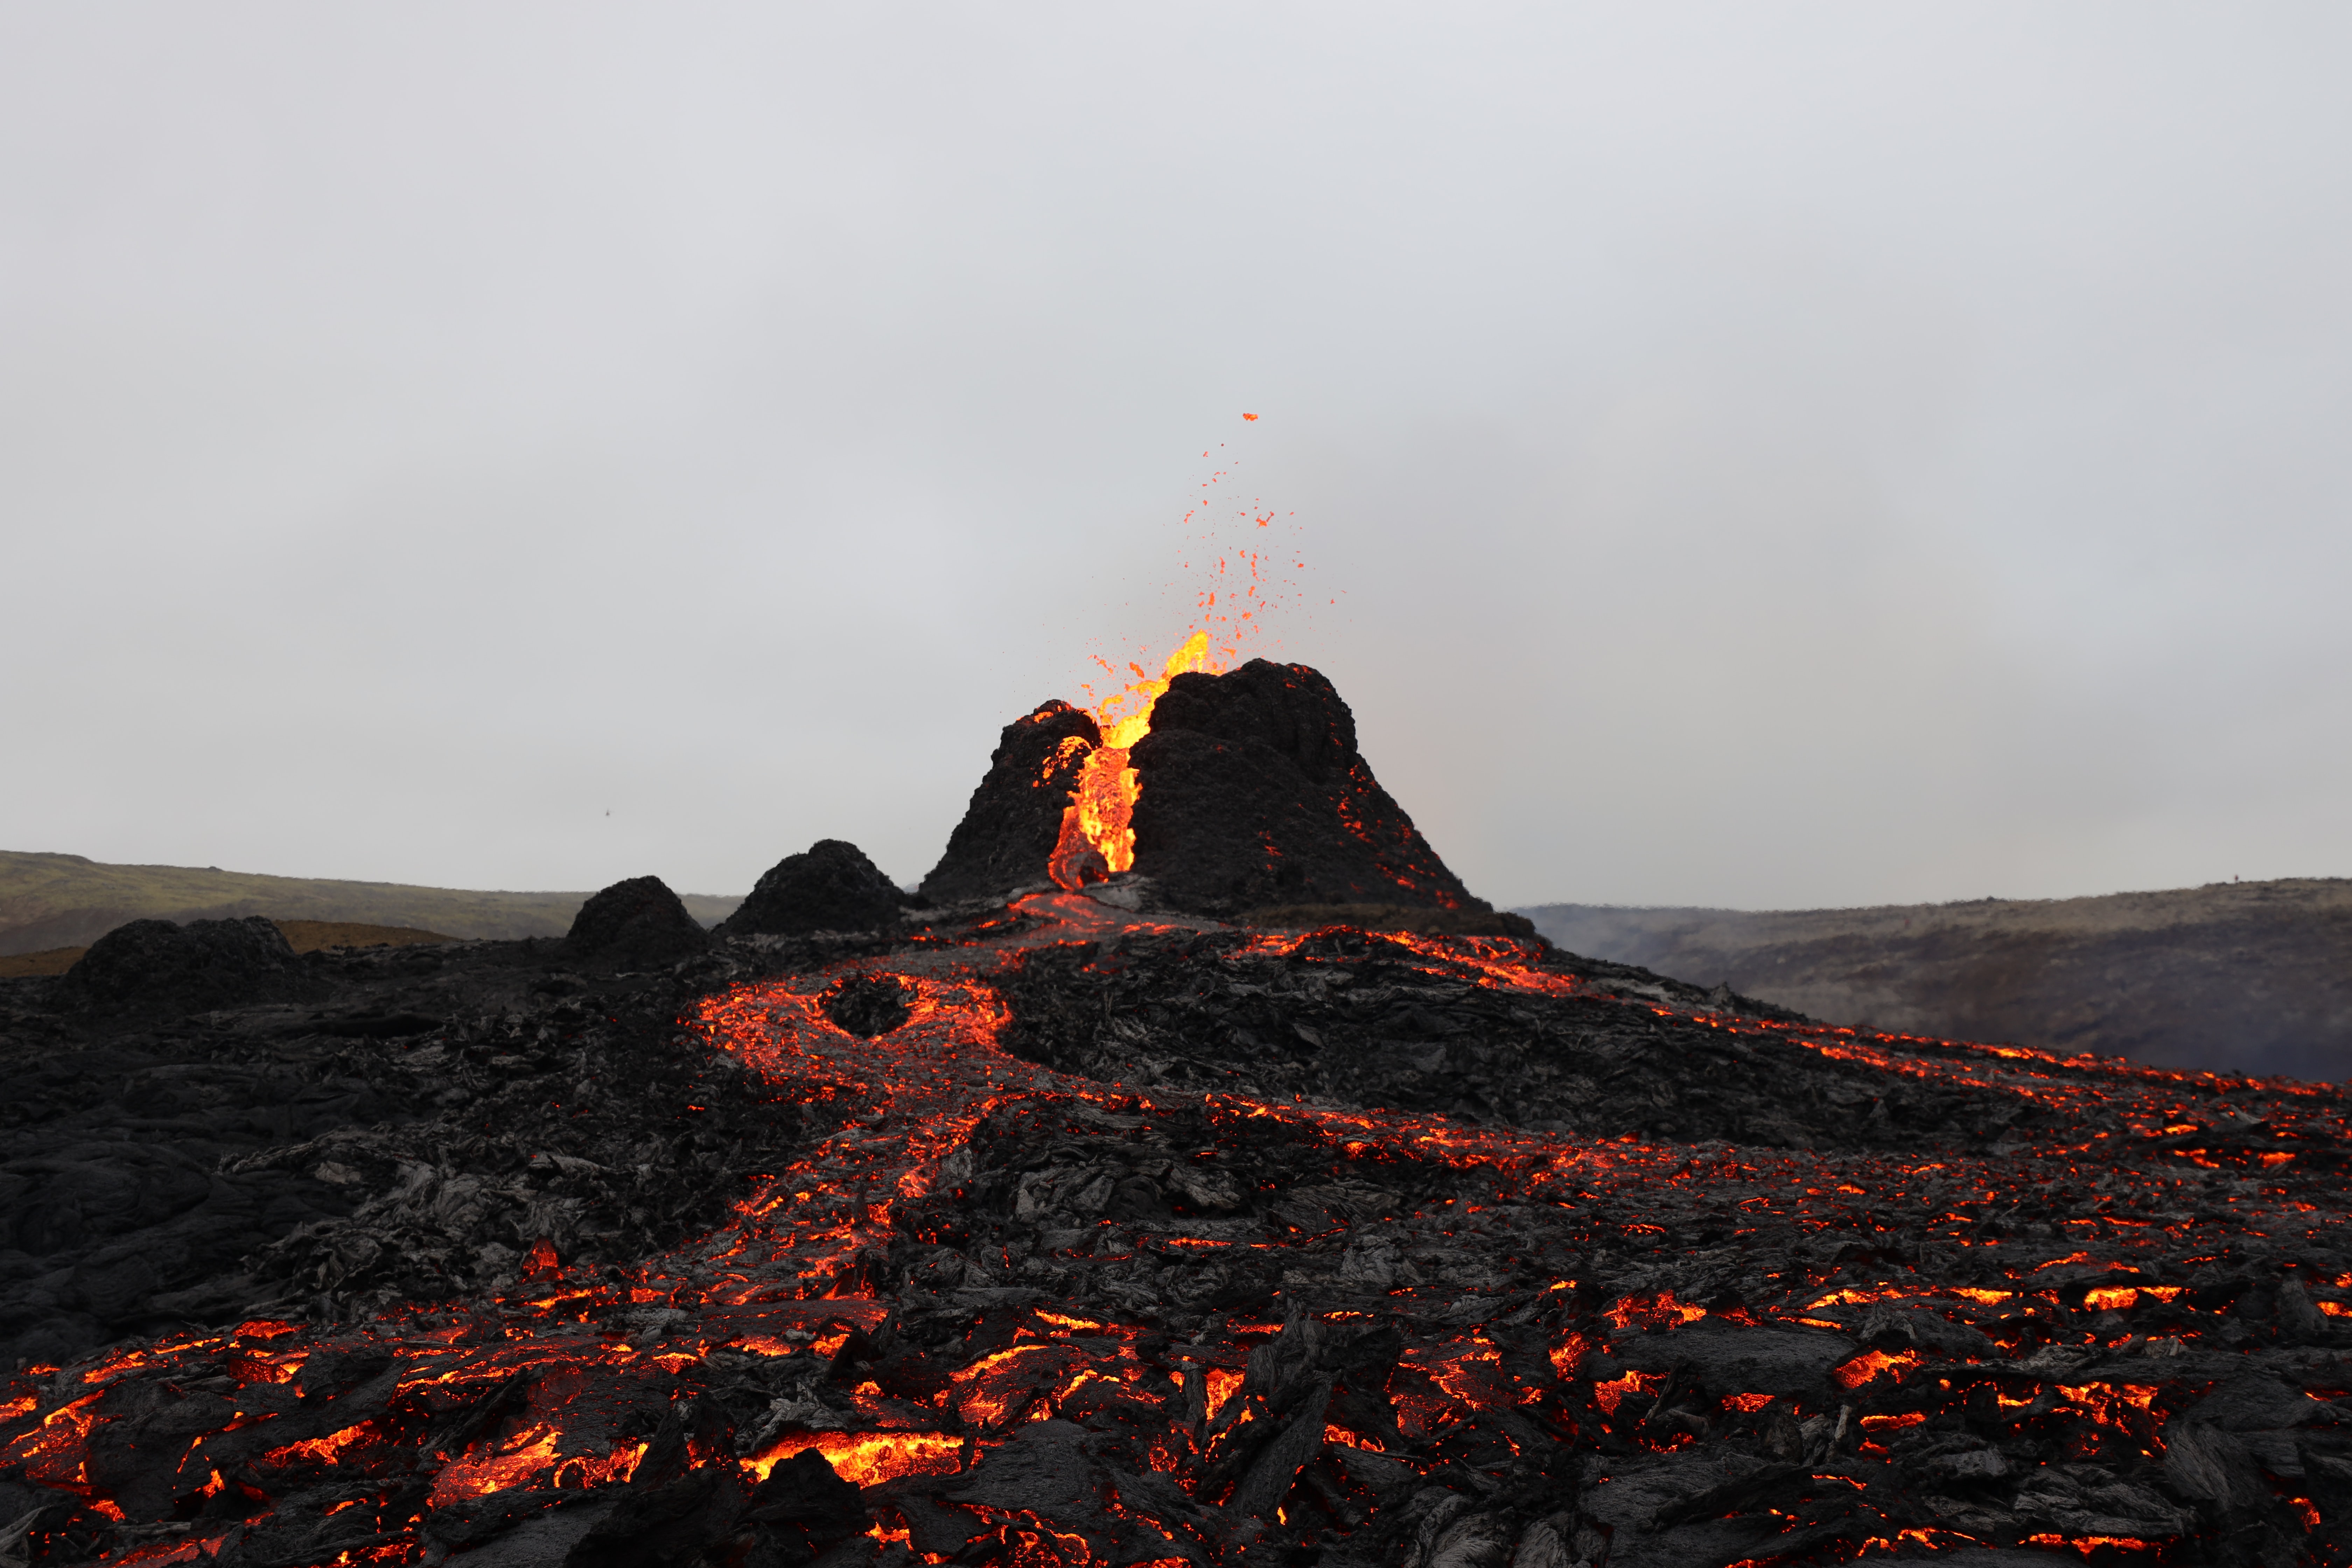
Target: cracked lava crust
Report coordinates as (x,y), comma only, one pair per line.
(1084,1242)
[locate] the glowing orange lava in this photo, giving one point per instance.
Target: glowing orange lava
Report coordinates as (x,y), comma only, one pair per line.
(1097,832)
(556,1369)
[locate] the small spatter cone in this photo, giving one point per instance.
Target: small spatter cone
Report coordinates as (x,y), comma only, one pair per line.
(829,886)
(1009,831)
(1248,791)
(1252,792)
(638,922)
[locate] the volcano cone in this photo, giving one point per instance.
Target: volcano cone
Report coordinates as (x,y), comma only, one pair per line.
(1250,792)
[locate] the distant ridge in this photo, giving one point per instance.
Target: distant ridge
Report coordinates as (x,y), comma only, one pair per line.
(2255,976)
(49,900)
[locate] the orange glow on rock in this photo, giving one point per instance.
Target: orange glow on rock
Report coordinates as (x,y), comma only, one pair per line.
(1335,1433)
(2109,1404)
(1097,838)
(1661,1311)
(1870,1364)
(326,1450)
(478,1475)
(263,1329)
(52,1452)
(2087,1544)
(869,1459)
(1611,1392)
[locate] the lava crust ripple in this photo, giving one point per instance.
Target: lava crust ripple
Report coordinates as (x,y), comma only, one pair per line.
(1109,1240)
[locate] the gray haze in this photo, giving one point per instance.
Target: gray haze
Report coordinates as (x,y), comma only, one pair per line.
(1762,456)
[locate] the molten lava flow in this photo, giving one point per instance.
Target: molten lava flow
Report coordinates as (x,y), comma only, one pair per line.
(927,1143)
(1097,833)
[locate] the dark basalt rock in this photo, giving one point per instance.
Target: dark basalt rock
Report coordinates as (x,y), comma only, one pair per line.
(1008,832)
(425,1125)
(677,1505)
(636,922)
(808,1507)
(1252,792)
(869,1005)
(1211,1012)
(157,966)
(831,887)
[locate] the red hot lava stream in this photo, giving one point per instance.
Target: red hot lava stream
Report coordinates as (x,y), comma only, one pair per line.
(1097,838)
(543,1394)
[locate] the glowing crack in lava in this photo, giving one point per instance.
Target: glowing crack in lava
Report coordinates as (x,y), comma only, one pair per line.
(1045,1318)
(1097,836)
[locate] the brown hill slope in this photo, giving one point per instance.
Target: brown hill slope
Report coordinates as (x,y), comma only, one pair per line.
(2253,976)
(65,901)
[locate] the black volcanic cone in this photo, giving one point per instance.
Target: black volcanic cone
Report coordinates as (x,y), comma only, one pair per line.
(829,886)
(1009,830)
(637,921)
(1252,792)
(158,965)
(1253,795)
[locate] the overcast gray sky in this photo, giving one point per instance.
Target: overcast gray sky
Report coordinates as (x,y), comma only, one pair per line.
(1767,455)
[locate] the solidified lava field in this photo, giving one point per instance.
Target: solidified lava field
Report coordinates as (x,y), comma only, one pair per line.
(1057,1235)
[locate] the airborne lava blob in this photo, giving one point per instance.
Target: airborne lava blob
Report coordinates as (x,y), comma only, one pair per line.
(1238,583)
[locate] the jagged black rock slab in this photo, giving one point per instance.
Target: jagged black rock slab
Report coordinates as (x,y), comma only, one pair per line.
(1009,830)
(1355,1019)
(831,886)
(638,922)
(1252,792)
(411,1133)
(158,966)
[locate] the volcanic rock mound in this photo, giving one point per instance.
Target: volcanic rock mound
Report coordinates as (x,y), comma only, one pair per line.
(832,886)
(155,965)
(1254,793)
(639,921)
(1009,830)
